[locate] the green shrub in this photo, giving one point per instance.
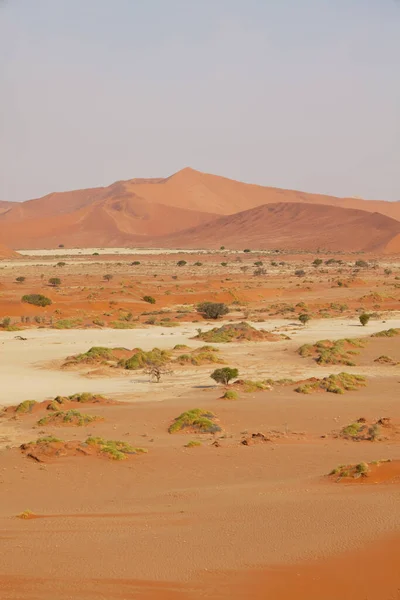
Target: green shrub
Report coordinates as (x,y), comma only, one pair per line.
(114,449)
(181,263)
(212,310)
(149,299)
(364,318)
(55,281)
(193,444)
(20,279)
(36,300)
(230,395)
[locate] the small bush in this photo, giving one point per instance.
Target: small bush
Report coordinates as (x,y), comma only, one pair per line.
(107,277)
(212,310)
(181,263)
(36,300)
(361,263)
(135,263)
(193,444)
(300,273)
(149,299)
(55,281)
(247,250)
(20,279)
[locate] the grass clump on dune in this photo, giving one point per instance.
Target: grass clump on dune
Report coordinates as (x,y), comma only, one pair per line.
(232,332)
(197,419)
(141,359)
(26,514)
(328,352)
(193,444)
(230,395)
(200,356)
(71,417)
(351,471)
(387,333)
(94,355)
(25,407)
(335,384)
(114,449)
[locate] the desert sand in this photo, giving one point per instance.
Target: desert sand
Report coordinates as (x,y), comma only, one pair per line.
(246,510)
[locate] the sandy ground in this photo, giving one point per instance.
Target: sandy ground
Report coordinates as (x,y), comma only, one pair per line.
(226,521)
(23,376)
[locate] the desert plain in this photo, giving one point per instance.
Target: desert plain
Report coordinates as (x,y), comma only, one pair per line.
(283,483)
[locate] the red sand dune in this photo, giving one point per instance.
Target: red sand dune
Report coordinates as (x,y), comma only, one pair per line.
(294,227)
(130,212)
(6,252)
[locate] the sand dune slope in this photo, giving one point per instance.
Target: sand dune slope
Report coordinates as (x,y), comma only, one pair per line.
(295,227)
(114,215)
(7,252)
(119,219)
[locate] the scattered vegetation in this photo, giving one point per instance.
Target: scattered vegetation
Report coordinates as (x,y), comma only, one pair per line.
(362,430)
(195,420)
(149,299)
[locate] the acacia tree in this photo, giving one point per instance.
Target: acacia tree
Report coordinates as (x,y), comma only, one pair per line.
(156,371)
(224,375)
(304,318)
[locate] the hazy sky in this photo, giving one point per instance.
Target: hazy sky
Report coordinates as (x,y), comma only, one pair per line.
(300,94)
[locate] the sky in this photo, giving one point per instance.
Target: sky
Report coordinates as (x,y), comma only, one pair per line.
(299,94)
